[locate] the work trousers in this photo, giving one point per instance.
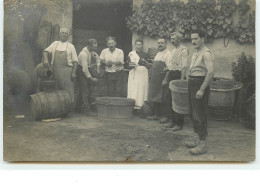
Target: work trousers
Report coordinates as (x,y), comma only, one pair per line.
(167,110)
(115,83)
(198,107)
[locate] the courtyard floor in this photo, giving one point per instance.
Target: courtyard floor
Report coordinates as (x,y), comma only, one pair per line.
(79,137)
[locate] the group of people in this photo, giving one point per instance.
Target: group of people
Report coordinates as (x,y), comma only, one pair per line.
(148,79)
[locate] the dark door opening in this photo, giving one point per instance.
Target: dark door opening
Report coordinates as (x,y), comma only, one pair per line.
(99,19)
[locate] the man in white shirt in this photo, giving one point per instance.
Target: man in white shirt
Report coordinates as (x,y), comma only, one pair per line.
(114,61)
(64,62)
(84,75)
(176,70)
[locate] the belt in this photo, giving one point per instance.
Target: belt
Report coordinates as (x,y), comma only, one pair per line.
(197,77)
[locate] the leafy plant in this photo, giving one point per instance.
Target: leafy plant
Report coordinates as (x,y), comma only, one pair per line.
(244,69)
(215,17)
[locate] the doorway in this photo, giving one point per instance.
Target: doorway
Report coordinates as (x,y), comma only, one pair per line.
(99,19)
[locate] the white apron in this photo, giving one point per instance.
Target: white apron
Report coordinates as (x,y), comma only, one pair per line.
(137,82)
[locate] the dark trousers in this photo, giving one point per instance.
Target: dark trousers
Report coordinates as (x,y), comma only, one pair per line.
(157,109)
(115,83)
(83,101)
(198,107)
(177,118)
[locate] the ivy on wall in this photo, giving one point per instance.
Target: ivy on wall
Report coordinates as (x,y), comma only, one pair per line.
(219,18)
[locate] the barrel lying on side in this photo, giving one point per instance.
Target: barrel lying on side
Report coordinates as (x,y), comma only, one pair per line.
(53,104)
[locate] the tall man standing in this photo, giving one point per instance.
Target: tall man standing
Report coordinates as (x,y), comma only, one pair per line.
(157,75)
(200,75)
(114,61)
(176,70)
(64,62)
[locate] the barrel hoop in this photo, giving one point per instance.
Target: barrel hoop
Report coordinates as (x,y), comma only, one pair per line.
(47,104)
(61,98)
(40,104)
(59,101)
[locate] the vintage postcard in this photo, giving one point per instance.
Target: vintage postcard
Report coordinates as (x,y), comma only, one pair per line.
(129,81)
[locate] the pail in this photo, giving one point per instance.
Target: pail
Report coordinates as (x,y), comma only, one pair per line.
(180,98)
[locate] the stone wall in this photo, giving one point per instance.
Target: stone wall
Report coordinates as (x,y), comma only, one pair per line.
(223,56)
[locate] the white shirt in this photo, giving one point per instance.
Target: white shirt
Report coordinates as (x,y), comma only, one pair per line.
(115,56)
(164,56)
(63,46)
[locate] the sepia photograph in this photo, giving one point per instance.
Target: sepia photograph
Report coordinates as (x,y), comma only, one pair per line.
(129,81)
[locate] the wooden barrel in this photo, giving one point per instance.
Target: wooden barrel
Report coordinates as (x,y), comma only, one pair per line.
(46,105)
(115,107)
(19,82)
(180,98)
(221,99)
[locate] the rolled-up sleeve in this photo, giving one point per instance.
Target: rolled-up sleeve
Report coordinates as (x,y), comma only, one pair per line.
(50,48)
(102,55)
(167,59)
(74,56)
(121,56)
(85,63)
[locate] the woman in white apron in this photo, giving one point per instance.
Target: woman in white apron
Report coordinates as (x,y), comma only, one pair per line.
(138,76)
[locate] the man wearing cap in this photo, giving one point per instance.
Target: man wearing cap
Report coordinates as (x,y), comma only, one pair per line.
(64,62)
(201,72)
(114,61)
(176,70)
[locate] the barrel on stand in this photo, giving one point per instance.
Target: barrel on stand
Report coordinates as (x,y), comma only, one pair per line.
(222,99)
(180,98)
(53,104)
(115,107)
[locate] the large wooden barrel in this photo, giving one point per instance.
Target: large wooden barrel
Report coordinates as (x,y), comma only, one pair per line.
(221,99)
(19,82)
(53,104)
(180,98)
(115,107)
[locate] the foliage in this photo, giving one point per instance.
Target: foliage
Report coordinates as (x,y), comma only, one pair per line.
(215,17)
(244,69)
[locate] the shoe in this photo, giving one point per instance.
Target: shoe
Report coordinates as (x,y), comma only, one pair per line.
(191,144)
(163,120)
(176,128)
(200,149)
(170,125)
(154,117)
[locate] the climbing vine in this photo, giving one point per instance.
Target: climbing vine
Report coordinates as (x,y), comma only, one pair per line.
(218,18)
